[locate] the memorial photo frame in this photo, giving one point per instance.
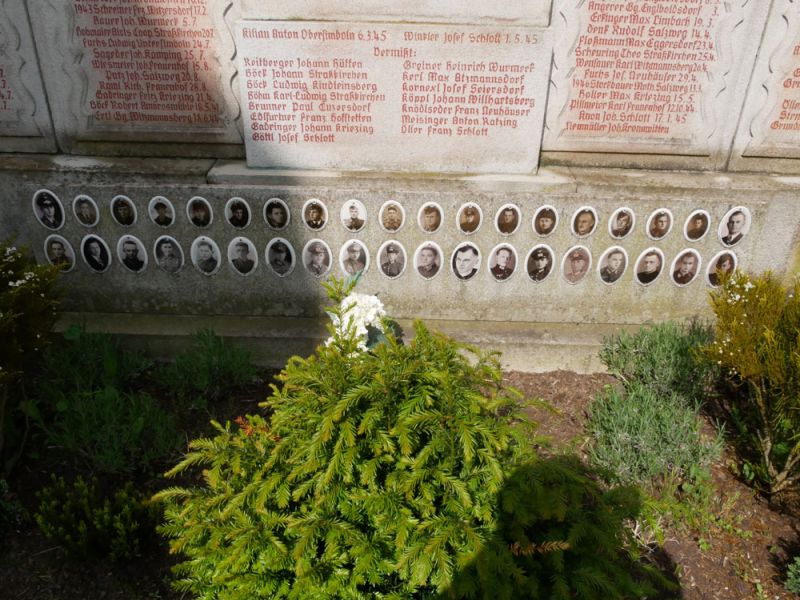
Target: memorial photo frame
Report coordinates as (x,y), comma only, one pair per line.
(168,254)
(502,262)
(723,263)
(85,210)
(123,211)
(242,256)
(545,220)
(734,226)
(576,264)
(315,217)
(96,253)
(508,219)
(48,209)
(317,257)
(584,221)
(622,222)
(428,260)
(353,215)
(465,262)
(659,224)
(392,259)
(279,255)
(161,211)
(200,214)
(132,254)
(353,257)
(205,255)
(238,213)
(469,218)
(649,266)
(430,217)
(697,225)
(685,267)
(539,262)
(277,215)
(59,252)
(612,264)
(392,216)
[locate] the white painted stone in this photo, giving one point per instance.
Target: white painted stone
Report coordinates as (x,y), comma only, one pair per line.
(25,124)
(393,97)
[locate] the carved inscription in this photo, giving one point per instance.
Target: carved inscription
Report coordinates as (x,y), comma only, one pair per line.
(8,100)
(149,62)
(365,90)
(787,119)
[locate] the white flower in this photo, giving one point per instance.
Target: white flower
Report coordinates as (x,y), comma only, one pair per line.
(358,312)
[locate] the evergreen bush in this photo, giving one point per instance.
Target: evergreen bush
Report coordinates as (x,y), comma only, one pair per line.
(793,576)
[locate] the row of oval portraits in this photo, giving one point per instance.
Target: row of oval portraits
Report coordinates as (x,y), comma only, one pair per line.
(732,228)
(465,260)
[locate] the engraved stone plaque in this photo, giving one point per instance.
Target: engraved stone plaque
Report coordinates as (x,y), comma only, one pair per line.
(392,96)
(145,71)
(25,124)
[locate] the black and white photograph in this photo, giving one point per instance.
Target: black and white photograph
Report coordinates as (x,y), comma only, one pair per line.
(161,211)
(621,223)
(545,220)
(649,266)
(612,264)
(168,254)
(280,257)
(48,209)
(540,262)
(392,216)
(429,217)
(392,259)
(199,212)
(59,252)
(96,253)
(502,262)
(697,225)
(720,267)
(205,255)
(659,224)
(353,215)
(576,264)
(584,221)
(469,218)
(237,212)
(428,260)
(466,261)
(132,254)
(317,258)
(685,267)
(353,257)
(508,219)
(242,256)
(734,226)
(123,211)
(277,214)
(85,210)
(315,215)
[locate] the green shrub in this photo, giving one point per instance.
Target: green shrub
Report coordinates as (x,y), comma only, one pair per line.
(793,576)
(662,357)
(113,431)
(377,475)
(641,435)
(206,371)
(11,512)
(87,523)
(27,315)
(757,347)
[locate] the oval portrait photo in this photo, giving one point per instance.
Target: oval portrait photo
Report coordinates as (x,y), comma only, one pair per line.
(392,258)
(502,262)
(507,219)
(576,264)
(123,211)
(734,226)
(59,252)
(429,217)
(621,222)
(242,256)
(697,225)
(315,215)
(161,211)
(205,255)
(466,261)
(132,254)
(85,210)
(649,266)
(685,267)
(545,220)
(353,257)
(659,224)
(428,260)
(280,256)
(469,218)
(353,215)
(721,266)
(199,212)
(276,214)
(540,262)
(237,212)
(96,253)
(392,216)
(612,264)
(317,258)
(584,221)
(48,209)
(168,254)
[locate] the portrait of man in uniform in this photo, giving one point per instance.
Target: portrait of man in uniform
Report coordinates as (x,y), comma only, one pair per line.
(469,218)
(544,221)
(584,222)
(123,211)
(502,262)
(95,253)
(393,260)
(613,265)
(169,255)
(353,257)
(696,225)
(621,223)
(660,224)
(735,225)
(315,215)
(648,267)
(242,255)
(430,217)
(391,216)
(354,215)
(276,213)
(466,261)
(48,209)
(85,211)
(238,213)
(280,256)
(428,261)
(59,253)
(540,263)
(199,212)
(507,219)
(132,254)
(685,267)
(205,255)
(318,258)
(576,264)
(161,211)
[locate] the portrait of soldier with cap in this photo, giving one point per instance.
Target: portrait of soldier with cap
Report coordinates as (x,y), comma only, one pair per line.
(469,218)
(392,216)
(315,214)
(280,256)
(48,209)
(577,261)
(393,259)
(353,257)
(545,220)
(161,211)
(540,263)
(466,261)
(353,215)
(317,258)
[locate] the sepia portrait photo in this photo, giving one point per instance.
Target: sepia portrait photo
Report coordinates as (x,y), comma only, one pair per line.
(168,254)
(353,257)
(576,264)
(697,225)
(720,267)
(161,211)
(507,219)
(85,210)
(428,260)
(545,220)
(392,258)
(466,261)
(48,209)
(540,262)
(353,215)
(584,221)
(237,212)
(317,258)
(659,224)
(315,215)
(621,222)
(59,252)
(242,256)
(205,255)
(734,226)
(392,216)
(685,267)
(276,214)
(612,264)
(132,254)
(469,218)
(280,256)
(429,217)
(502,262)
(649,266)
(96,253)
(123,211)
(199,212)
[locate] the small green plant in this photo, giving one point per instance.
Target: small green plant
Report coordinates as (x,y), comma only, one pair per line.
(11,512)
(793,576)
(206,371)
(87,523)
(757,349)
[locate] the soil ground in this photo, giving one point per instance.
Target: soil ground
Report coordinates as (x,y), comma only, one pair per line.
(741,557)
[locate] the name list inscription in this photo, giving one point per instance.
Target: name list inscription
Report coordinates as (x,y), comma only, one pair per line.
(417,86)
(8,99)
(149,62)
(785,120)
(641,69)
